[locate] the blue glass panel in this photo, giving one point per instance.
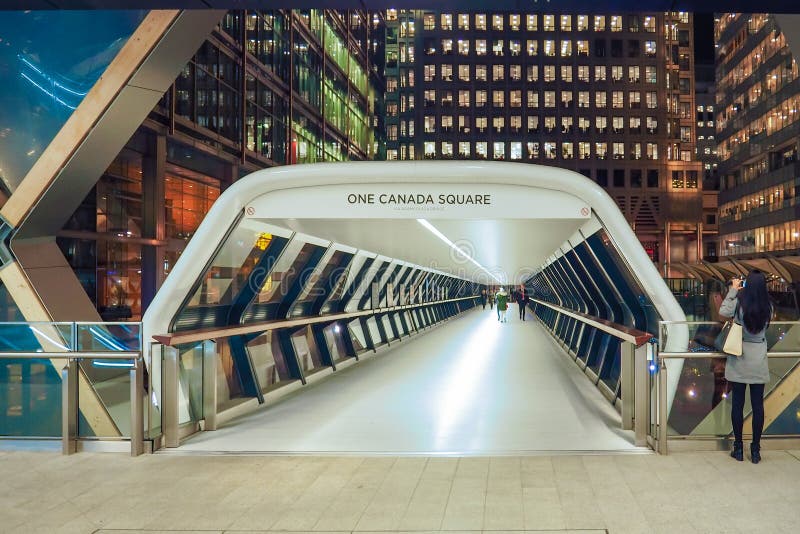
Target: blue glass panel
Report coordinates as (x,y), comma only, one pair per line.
(30,398)
(49,61)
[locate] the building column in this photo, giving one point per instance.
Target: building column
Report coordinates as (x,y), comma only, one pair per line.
(153,214)
(667,250)
(699,242)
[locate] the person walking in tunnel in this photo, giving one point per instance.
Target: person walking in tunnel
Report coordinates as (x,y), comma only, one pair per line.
(491,298)
(522,301)
(483,297)
(747,302)
(502,305)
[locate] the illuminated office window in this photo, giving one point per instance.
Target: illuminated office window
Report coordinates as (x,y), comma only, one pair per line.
(633,74)
(498,47)
(481,73)
(447,149)
(515,123)
(635,99)
(549,73)
(617,73)
(533,47)
(636,151)
(601,150)
(463,21)
(499,150)
(514,47)
(600,99)
(391,132)
(650,74)
(516,151)
(549,124)
(599,23)
(463,73)
(566,99)
(532,22)
(549,150)
(566,73)
(447,98)
(566,48)
(447,123)
(567,150)
(514,21)
(533,99)
(566,125)
(391,14)
(686,155)
(550,48)
(584,150)
(652,125)
(532,73)
(480,21)
(583,23)
(446,21)
(429,73)
(463,149)
(499,98)
(481,149)
(429,21)
(652,151)
(686,134)
(497,22)
(430,97)
(481,123)
(515,98)
(463,47)
(498,73)
(533,149)
(583,73)
(650,48)
(566,23)
(677,179)
(651,97)
(548,23)
(430,124)
(616,23)
(447,72)
(480,98)
(601,124)
(584,124)
(533,124)
(600,73)
(617,100)
(582,48)
(480,47)
(430,149)
(583,99)
(447,47)
(515,73)
(617,124)
(498,124)
(635,125)
(463,123)
(618,150)
(391,154)
(650,24)
(549,99)
(463,99)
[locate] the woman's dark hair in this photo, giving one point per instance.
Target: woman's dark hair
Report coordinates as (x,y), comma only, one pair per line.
(754,300)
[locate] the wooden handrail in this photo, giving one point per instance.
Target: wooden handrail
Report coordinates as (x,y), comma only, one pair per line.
(625,333)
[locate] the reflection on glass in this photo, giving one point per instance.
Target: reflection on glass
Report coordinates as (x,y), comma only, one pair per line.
(335,341)
(269,364)
(30,398)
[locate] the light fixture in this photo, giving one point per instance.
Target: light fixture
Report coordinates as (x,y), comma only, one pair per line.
(444,238)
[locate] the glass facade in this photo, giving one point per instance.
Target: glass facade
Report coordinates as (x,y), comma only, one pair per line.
(756,112)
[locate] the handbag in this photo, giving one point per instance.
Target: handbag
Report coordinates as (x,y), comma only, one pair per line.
(729,339)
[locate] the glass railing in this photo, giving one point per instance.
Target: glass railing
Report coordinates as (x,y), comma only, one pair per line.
(96,366)
(694,396)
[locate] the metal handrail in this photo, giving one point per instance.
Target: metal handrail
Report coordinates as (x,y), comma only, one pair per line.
(191,336)
(616,332)
(30,355)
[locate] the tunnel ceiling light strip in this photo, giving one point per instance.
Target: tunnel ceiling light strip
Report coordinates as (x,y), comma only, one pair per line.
(444,238)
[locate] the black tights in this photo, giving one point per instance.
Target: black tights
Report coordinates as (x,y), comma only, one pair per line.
(737,410)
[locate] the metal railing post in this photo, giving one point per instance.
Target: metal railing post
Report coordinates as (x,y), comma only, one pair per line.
(210,385)
(662,408)
(69,407)
(627,383)
(169,391)
(137,407)
(641,396)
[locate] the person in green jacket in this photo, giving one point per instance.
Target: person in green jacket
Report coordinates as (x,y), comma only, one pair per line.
(502,304)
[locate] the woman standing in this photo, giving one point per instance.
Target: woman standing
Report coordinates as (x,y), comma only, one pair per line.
(748,303)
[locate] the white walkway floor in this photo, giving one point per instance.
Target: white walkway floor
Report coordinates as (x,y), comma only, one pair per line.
(472,385)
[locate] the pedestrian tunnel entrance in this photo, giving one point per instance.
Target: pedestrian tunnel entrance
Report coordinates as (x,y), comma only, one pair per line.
(299,275)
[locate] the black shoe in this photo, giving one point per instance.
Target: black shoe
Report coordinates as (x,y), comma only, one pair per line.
(755,453)
(738,451)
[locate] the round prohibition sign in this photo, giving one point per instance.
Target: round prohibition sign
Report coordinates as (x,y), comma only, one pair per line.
(250,210)
(585,211)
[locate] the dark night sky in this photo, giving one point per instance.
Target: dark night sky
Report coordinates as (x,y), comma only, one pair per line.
(704,38)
